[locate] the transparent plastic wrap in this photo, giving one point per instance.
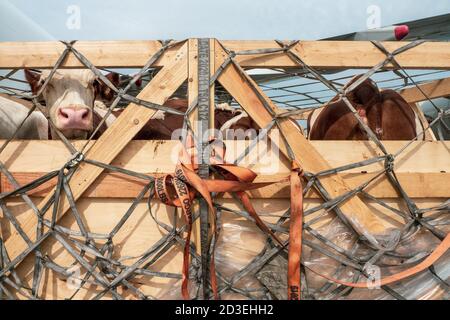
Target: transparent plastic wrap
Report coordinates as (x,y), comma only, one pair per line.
(424,285)
(241,243)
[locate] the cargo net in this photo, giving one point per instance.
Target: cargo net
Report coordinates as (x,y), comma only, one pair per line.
(249,263)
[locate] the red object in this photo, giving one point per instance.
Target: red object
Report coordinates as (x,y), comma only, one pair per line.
(401,31)
(138,83)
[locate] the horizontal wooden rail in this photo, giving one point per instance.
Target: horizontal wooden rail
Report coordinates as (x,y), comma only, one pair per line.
(104,54)
(318,54)
(433,89)
(423,170)
(118,185)
(344,54)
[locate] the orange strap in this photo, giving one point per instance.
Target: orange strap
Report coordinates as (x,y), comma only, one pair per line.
(295,233)
(426,263)
(179,190)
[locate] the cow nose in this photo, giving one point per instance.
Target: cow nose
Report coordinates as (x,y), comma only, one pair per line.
(74,118)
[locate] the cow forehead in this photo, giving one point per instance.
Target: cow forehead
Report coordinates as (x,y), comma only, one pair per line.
(83,76)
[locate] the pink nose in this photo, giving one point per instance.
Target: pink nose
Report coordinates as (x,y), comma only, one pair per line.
(74,118)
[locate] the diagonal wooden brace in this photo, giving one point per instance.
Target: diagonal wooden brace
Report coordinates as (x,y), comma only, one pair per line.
(240,87)
(111,143)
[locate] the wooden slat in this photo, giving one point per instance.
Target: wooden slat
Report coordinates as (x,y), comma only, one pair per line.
(112,141)
(318,54)
(105,54)
(241,242)
(433,89)
(116,185)
(159,156)
(343,54)
(238,86)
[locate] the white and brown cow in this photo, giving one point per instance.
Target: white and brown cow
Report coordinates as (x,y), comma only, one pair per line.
(70,99)
(72,95)
(74,103)
(13,112)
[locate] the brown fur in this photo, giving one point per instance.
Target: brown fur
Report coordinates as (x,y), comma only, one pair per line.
(157,129)
(386,113)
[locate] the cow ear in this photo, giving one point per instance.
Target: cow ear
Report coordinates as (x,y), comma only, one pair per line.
(105,92)
(114,78)
(33,79)
(366,91)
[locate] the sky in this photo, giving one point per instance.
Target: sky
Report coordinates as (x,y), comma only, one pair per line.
(28,20)
(24,20)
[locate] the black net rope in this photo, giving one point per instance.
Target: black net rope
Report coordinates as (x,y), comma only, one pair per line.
(94,251)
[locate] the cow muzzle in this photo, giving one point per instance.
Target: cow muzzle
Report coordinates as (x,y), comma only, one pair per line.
(74,117)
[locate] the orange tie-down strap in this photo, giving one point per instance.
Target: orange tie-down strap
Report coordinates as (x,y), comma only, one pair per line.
(426,263)
(180,189)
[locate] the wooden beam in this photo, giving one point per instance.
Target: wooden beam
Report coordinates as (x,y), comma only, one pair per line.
(117,185)
(48,155)
(30,159)
(343,54)
(433,89)
(111,143)
(242,243)
(240,88)
(318,54)
(103,54)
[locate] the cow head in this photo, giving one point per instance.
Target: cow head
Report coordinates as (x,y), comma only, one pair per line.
(365,93)
(69,98)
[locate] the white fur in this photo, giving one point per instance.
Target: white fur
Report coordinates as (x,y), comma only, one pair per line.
(68,87)
(12,114)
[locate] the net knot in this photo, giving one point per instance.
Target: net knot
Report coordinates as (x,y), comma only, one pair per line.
(75,160)
(389,162)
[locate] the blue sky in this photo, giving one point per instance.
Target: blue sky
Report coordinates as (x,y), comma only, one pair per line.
(178,19)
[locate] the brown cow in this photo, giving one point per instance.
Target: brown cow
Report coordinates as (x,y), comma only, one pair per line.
(231,124)
(385,112)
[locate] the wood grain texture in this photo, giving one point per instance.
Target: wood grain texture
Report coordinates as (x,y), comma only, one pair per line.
(433,89)
(112,141)
(343,54)
(117,185)
(239,87)
(318,54)
(103,54)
